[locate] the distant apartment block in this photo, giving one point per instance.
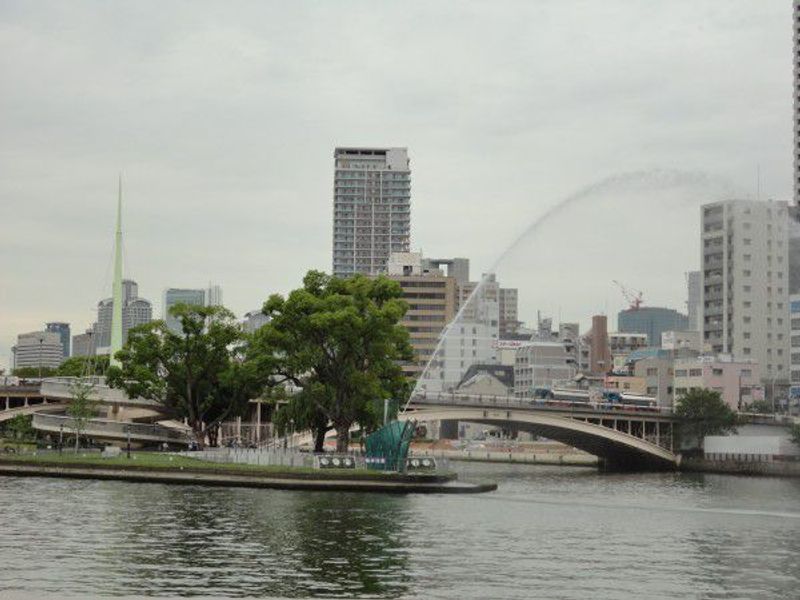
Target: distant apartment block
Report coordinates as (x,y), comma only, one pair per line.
(431,298)
(745,260)
(694,296)
(738,382)
(38,349)
(540,364)
(371,209)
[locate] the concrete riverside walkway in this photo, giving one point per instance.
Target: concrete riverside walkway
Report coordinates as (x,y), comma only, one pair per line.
(397,484)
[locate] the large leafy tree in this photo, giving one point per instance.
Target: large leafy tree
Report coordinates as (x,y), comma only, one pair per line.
(82,366)
(198,373)
(702,412)
(340,342)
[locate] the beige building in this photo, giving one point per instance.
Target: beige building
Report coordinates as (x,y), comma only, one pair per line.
(739,382)
(431,298)
(745,291)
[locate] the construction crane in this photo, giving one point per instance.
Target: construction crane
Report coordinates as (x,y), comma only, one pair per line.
(634,297)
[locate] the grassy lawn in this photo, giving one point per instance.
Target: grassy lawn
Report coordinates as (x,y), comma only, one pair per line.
(166,462)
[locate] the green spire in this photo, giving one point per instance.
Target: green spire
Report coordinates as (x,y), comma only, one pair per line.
(116,314)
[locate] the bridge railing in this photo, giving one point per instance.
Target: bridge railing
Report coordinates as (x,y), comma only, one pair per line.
(491,401)
(118,429)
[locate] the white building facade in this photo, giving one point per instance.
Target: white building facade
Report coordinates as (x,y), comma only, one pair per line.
(745,307)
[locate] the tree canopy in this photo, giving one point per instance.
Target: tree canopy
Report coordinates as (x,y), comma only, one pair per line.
(340,342)
(82,366)
(198,373)
(702,412)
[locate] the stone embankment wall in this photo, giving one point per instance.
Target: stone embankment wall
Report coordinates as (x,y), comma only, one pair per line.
(741,466)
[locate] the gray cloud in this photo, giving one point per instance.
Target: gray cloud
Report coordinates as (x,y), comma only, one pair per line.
(223,117)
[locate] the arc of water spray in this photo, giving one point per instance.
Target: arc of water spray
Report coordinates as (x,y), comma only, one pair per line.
(648,179)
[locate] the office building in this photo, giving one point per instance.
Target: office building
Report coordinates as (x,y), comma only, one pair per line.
(745,260)
(214,295)
(135,311)
(371,209)
(62,329)
(83,344)
(651,320)
(173,296)
(794,341)
(38,349)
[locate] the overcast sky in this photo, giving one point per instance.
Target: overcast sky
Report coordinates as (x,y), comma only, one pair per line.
(223,117)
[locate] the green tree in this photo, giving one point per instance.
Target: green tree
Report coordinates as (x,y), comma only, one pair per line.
(340,342)
(33,372)
(702,412)
(82,407)
(761,407)
(83,366)
(198,373)
(20,428)
(794,432)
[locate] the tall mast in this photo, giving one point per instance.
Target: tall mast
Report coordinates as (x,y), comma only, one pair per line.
(116,314)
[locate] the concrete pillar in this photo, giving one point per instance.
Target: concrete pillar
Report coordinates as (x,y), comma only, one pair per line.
(629,427)
(25,402)
(8,402)
(658,432)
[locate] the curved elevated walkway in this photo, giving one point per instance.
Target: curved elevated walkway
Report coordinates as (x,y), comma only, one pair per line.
(104,429)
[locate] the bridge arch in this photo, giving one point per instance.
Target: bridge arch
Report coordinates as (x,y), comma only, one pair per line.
(615,448)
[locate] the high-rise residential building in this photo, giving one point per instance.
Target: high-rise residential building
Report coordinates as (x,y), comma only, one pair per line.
(652,320)
(745,260)
(431,298)
(38,349)
(794,341)
(83,344)
(600,359)
(214,295)
(371,209)
(796,96)
(694,284)
(62,329)
(135,311)
(173,296)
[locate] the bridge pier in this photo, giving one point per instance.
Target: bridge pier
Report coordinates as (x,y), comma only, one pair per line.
(8,402)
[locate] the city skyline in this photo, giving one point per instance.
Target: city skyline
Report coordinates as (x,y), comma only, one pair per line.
(473,190)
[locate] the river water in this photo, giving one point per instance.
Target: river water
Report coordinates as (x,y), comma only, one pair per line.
(548,532)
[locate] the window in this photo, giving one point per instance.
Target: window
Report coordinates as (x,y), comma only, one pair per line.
(746,273)
(746,335)
(747,241)
(746,257)
(717,372)
(746,373)
(652,391)
(746,351)
(695,372)
(747,304)
(652,372)
(747,288)
(682,372)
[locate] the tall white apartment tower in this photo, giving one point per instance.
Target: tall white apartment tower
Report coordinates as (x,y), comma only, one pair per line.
(371,209)
(745,291)
(796,55)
